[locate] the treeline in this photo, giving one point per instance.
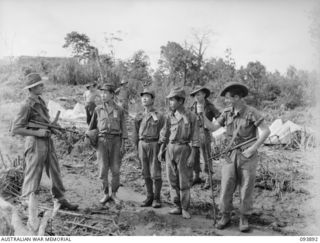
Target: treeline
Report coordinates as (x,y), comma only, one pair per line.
(177,66)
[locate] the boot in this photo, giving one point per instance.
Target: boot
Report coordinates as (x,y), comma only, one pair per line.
(206,185)
(105,199)
(196,179)
(149,199)
(224,221)
(186,214)
(176,211)
(68,206)
(115,198)
(33,220)
(157,189)
(185,203)
(243,223)
(185,199)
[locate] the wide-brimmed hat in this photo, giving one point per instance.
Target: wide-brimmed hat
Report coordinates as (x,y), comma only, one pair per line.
(148,91)
(34,79)
(198,88)
(107,86)
(177,92)
(235,86)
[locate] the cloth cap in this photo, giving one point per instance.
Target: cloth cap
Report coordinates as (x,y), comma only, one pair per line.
(235,86)
(199,88)
(34,79)
(148,91)
(177,92)
(107,86)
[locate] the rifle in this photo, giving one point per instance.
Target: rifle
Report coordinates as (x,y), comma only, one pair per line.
(218,155)
(51,126)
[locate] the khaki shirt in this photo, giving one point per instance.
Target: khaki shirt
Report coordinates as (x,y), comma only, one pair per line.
(147,126)
(245,122)
(33,108)
(112,122)
(181,128)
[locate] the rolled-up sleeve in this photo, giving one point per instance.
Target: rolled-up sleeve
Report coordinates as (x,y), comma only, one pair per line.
(22,118)
(195,131)
(255,116)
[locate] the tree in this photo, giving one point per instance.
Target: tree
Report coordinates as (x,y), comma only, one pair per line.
(179,64)
(80,44)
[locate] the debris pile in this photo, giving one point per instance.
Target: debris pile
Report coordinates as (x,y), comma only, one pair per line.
(11,177)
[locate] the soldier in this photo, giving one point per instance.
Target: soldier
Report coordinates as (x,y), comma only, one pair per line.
(90,96)
(181,129)
(39,149)
(239,168)
(146,138)
(108,118)
(123,95)
(201,95)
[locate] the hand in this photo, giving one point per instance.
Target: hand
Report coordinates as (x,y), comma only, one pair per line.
(160,159)
(43,133)
(249,152)
(200,108)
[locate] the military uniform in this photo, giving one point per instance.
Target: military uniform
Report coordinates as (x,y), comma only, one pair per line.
(241,126)
(147,126)
(181,130)
(39,151)
(112,130)
(210,111)
(241,170)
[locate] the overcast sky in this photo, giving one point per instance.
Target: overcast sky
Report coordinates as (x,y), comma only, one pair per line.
(274,32)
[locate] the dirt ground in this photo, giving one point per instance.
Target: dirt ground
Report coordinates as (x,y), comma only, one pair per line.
(281,193)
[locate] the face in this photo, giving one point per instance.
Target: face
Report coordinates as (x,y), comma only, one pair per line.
(231,101)
(200,96)
(174,104)
(38,90)
(146,100)
(106,95)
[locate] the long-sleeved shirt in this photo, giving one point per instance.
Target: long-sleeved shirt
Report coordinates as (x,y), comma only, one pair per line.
(182,128)
(147,125)
(109,121)
(34,108)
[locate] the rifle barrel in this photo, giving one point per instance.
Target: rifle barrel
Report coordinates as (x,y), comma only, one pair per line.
(52,126)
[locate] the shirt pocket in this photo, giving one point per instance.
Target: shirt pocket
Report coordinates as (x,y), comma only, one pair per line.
(152,129)
(115,124)
(186,131)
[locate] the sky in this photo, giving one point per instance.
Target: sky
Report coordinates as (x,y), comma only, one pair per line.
(274,32)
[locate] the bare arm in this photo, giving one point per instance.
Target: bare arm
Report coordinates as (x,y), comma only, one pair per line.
(263,136)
